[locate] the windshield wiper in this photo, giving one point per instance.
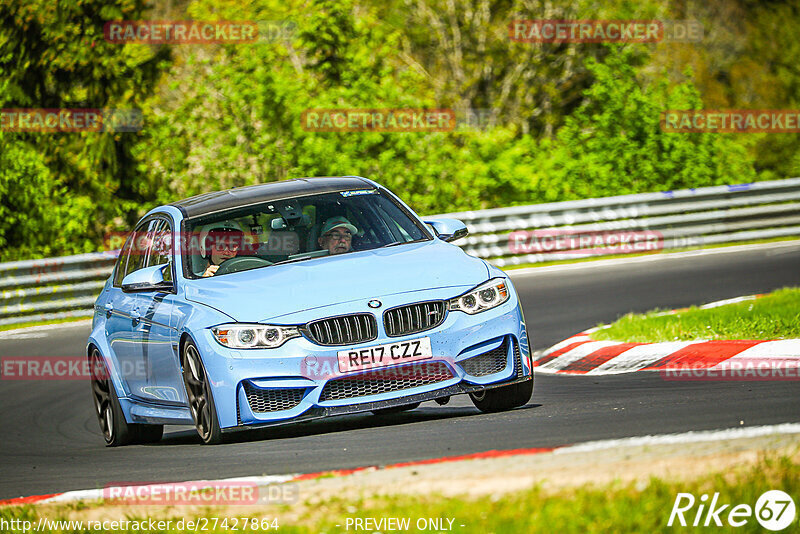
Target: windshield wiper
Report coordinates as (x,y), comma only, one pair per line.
(292,260)
(395,243)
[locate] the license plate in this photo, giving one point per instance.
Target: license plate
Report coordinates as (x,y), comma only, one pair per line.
(412,350)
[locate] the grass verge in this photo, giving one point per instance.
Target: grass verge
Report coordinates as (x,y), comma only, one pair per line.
(774,316)
(615,507)
(43,323)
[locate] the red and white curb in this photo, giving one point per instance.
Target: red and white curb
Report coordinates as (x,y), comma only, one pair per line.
(580,355)
(712,436)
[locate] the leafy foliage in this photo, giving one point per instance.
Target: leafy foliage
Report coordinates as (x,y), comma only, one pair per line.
(54,56)
(613,144)
(570,120)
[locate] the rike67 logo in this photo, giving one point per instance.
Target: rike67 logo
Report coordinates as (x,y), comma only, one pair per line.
(774,510)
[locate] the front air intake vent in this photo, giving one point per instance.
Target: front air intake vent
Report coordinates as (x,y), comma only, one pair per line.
(385,381)
(272,400)
(489,362)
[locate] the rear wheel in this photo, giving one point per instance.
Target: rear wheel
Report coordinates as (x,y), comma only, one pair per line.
(503,398)
(116,430)
(396,409)
(201,400)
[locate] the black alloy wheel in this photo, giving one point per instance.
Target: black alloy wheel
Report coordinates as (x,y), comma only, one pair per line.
(198,391)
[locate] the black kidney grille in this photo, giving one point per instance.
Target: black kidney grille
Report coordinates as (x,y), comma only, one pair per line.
(487,363)
(414,318)
(343,330)
(272,400)
(386,380)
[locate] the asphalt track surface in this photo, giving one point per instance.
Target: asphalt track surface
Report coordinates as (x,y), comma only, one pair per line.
(51,441)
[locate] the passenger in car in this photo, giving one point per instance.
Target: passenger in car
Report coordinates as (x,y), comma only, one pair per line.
(337,235)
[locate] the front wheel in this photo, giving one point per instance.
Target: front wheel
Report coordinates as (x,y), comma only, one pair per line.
(198,391)
(503,398)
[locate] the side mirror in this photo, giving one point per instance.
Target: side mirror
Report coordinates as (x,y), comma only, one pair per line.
(448,229)
(147,279)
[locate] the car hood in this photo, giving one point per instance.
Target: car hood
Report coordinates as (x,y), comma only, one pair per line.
(260,295)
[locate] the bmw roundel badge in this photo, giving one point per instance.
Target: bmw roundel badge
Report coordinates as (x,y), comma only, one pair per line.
(375,303)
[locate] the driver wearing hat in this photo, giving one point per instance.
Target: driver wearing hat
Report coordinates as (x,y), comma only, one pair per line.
(337,235)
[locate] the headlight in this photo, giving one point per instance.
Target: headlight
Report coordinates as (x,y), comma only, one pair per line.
(253,336)
(484,297)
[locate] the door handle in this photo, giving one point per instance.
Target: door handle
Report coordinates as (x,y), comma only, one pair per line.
(135,316)
(109,309)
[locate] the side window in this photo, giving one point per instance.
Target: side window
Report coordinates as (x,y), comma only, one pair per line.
(138,250)
(139,245)
(160,240)
(122,260)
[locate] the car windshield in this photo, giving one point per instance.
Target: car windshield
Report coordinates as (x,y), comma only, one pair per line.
(295,229)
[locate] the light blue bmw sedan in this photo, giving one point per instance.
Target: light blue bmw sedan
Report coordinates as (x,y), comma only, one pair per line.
(297,300)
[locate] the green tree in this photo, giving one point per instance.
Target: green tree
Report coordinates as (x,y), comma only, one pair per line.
(54,55)
(614,144)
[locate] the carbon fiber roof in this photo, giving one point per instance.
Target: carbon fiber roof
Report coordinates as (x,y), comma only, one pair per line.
(242,196)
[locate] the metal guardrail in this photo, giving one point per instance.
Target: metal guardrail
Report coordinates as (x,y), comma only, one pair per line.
(56,288)
(676,219)
(52,288)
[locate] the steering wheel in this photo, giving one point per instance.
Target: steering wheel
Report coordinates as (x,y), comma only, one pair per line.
(241,263)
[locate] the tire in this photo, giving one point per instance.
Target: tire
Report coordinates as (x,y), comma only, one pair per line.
(198,392)
(116,430)
(396,409)
(503,398)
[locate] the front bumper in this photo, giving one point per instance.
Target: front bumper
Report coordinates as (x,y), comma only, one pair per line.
(263,387)
(359,407)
